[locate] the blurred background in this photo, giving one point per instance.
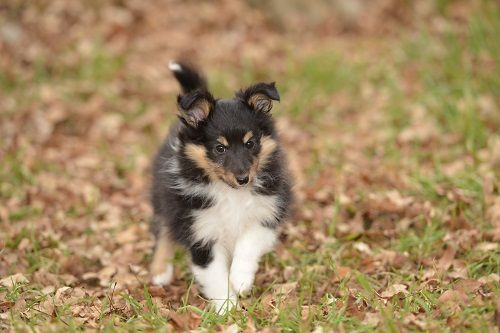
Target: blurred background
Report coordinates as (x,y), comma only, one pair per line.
(389,112)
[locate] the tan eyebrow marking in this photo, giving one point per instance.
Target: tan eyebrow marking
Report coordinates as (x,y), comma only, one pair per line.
(247,136)
(223,141)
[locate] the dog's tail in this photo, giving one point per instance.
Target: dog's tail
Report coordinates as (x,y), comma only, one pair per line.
(188,76)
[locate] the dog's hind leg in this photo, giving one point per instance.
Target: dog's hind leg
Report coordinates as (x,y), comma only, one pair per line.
(162,269)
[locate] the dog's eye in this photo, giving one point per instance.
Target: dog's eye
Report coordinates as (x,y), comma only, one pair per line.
(249,144)
(220,149)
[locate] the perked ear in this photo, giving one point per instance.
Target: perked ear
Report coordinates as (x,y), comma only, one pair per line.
(260,96)
(195,106)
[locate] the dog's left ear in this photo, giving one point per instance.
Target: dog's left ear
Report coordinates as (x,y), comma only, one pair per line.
(260,96)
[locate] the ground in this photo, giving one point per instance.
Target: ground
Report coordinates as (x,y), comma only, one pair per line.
(390,116)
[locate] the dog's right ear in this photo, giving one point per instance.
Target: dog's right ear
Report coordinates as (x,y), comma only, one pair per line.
(195,107)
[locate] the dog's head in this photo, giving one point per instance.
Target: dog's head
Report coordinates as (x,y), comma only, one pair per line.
(229,139)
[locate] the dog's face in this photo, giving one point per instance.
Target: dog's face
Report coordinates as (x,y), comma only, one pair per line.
(230,140)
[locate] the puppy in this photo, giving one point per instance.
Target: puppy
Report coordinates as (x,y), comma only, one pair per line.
(220,187)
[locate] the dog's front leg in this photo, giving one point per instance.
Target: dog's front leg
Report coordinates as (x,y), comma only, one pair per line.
(210,269)
(250,246)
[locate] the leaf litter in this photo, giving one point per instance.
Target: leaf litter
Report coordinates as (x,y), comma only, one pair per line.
(81,117)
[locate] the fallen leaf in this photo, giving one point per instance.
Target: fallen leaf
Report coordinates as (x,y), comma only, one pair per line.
(489,278)
(129,235)
(363,248)
(372,319)
(429,274)
(231,329)
(11,281)
(157,291)
(467,286)
(486,247)
(62,294)
(47,306)
(414,320)
(341,273)
(288,272)
(318,329)
(179,320)
(393,290)
(458,273)
(447,259)
(392,258)
(6,305)
(454,296)
(20,305)
(285,288)
(48,290)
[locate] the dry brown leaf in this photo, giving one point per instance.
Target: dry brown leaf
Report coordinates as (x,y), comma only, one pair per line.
(412,319)
(11,281)
(62,295)
(157,291)
(180,321)
(428,274)
(288,272)
(285,288)
(6,305)
(47,306)
(20,304)
(447,259)
(392,258)
(467,286)
(394,290)
(48,290)
(486,247)
(268,301)
(231,329)
(458,273)
(454,296)
(106,274)
(372,319)
(363,248)
(129,235)
(341,273)
(489,278)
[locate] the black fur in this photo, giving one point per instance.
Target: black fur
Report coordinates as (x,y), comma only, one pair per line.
(232,119)
(201,254)
(189,78)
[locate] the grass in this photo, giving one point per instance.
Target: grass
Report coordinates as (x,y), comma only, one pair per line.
(444,75)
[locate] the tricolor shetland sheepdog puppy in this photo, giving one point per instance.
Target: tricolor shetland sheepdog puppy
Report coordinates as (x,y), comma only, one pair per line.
(220,187)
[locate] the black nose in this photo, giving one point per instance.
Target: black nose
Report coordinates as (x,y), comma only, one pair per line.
(242,180)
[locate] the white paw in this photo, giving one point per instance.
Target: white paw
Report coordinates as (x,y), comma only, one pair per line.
(241,280)
(223,306)
(164,278)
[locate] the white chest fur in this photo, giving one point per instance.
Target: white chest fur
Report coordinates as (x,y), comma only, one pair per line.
(232,213)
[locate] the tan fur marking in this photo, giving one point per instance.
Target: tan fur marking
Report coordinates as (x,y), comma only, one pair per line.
(204,105)
(247,136)
(163,253)
(253,170)
(260,102)
(268,146)
(196,113)
(223,140)
(198,154)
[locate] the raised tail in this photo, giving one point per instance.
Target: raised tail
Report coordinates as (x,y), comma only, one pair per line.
(189,78)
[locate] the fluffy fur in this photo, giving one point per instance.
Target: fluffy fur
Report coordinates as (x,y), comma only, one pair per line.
(220,187)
